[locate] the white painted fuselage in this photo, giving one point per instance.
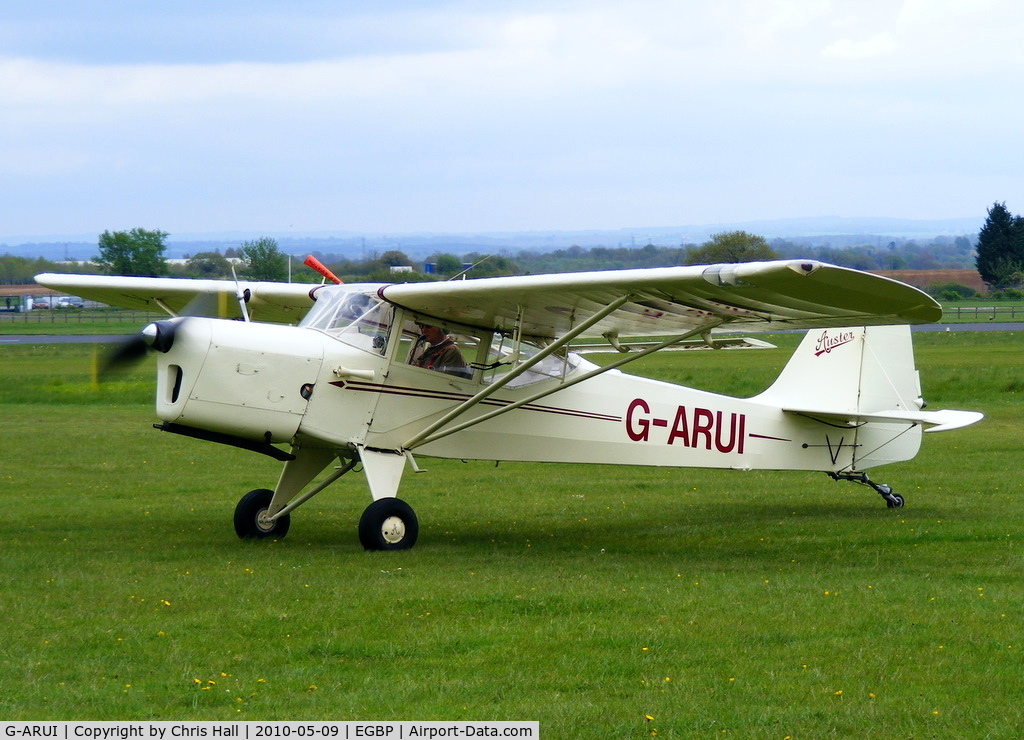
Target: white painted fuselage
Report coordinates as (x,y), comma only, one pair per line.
(303,386)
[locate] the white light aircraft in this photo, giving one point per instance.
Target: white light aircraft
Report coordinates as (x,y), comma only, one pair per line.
(482,369)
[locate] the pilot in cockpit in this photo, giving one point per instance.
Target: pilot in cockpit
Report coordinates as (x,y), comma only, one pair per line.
(439,352)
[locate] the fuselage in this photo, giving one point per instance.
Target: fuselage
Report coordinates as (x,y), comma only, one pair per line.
(347,378)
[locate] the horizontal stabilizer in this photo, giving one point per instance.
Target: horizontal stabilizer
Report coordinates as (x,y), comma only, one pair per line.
(936,421)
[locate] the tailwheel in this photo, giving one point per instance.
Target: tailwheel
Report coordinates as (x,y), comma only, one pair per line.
(251,520)
(388,524)
(892,500)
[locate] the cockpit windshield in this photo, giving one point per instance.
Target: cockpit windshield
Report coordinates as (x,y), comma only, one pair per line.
(354,315)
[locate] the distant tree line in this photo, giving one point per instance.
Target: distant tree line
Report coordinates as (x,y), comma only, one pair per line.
(141,252)
(940,253)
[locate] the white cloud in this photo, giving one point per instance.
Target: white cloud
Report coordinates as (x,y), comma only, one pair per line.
(873,47)
(600,108)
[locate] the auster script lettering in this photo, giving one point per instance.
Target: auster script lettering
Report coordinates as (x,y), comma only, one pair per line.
(828,342)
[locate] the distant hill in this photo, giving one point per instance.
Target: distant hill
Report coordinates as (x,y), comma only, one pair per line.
(831,231)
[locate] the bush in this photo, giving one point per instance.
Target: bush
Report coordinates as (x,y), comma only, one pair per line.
(952,291)
(1007,294)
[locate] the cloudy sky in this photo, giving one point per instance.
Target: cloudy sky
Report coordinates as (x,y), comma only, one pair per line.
(469,116)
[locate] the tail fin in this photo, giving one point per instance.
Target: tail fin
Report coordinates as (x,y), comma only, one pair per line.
(862,379)
(850,372)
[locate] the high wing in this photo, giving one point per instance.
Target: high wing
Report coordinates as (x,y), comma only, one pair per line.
(757,296)
(271,302)
(722,341)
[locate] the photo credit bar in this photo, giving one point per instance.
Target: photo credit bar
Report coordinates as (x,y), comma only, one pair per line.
(214,730)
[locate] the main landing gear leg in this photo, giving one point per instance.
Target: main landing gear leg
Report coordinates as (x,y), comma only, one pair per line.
(892,500)
(388,523)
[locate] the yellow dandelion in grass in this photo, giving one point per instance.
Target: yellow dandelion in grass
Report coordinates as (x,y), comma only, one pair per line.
(312,687)
(649,718)
(196,681)
(839,693)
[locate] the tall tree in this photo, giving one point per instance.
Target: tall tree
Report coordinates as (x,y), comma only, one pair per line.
(209,265)
(265,261)
(445,264)
(137,252)
(1000,249)
(731,246)
(395,258)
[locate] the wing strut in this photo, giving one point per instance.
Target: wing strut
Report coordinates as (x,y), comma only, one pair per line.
(432,434)
(562,341)
(165,307)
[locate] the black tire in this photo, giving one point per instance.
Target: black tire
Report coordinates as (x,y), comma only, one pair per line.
(388,524)
(894,501)
(247,517)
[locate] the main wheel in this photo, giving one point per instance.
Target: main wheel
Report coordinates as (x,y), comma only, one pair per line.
(388,524)
(251,522)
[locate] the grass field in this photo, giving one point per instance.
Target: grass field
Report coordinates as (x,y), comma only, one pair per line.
(71,321)
(600,601)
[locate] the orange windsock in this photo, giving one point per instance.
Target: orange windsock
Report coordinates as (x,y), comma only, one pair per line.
(314,264)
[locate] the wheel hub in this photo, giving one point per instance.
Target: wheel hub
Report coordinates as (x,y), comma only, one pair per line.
(264,522)
(393,530)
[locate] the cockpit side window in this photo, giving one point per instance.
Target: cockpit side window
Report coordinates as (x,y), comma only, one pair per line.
(433,345)
(505,354)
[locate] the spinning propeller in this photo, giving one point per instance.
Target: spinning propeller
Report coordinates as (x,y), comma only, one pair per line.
(159,335)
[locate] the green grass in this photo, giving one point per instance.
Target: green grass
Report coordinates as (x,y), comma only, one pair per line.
(983,308)
(74,321)
(722,604)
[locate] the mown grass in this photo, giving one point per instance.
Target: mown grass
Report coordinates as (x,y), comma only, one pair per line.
(757,604)
(75,321)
